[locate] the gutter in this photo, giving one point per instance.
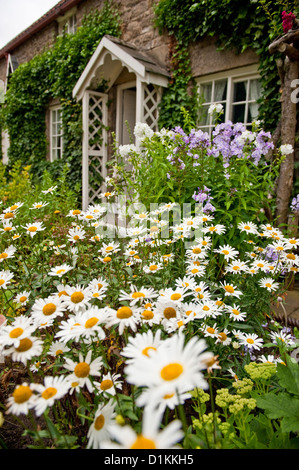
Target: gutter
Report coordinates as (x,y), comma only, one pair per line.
(38,25)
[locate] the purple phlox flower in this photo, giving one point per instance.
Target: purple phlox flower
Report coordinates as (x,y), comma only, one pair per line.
(295,204)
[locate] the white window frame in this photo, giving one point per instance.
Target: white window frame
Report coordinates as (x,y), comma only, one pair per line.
(67,23)
(120,110)
(54,147)
(232,77)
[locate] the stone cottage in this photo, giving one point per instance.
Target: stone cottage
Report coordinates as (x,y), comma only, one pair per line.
(136,68)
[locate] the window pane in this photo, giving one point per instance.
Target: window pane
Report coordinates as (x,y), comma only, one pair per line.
(220,90)
(238,113)
(240,89)
(204,116)
(254,90)
(206,92)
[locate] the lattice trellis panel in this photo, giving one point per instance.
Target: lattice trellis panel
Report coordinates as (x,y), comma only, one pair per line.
(151,99)
(94,145)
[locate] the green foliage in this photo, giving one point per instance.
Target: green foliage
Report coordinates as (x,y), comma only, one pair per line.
(237,26)
(53,74)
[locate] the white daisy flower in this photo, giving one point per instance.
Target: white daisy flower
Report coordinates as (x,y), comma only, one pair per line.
(137,295)
(223,337)
(153,399)
(5,278)
(173,365)
(227,251)
(218,229)
(109,384)
(75,234)
(150,438)
(47,309)
(78,297)
(142,344)
(24,349)
(59,271)
(58,348)
(269,284)
(248,227)
(33,228)
(39,205)
(211,331)
(235,313)
(236,266)
(84,369)
(252,341)
(50,190)
(22,297)
(282,337)
(22,400)
(124,317)
(152,268)
(8,253)
(230,290)
(7,226)
(99,430)
(88,324)
(173,295)
(21,327)
(53,388)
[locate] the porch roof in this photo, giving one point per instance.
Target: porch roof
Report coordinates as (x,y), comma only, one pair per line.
(110,57)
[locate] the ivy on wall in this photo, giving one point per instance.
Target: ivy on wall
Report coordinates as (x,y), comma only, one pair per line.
(53,74)
(250,24)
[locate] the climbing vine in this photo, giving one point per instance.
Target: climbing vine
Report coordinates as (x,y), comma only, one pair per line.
(237,25)
(53,74)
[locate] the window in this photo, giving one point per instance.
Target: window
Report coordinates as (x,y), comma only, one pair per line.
(67,23)
(56,137)
(237,94)
(71,25)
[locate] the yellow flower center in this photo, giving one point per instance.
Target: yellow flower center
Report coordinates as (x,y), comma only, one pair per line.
(91,322)
(236,268)
(107,259)
(211,330)
(291,256)
(153,267)
(194,270)
(22,394)
(23,298)
(222,336)
(14,207)
(7,229)
(229,289)
(9,215)
(59,351)
(107,194)
(49,393)
(25,345)
(235,311)
(3,255)
(268,284)
(147,315)
(172,371)
(106,384)
(124,312)
(2,282)
(196,251)
(99,422)
(143,443)
(206,308)
(109,248)
(167,396)
(33,228)
(250,340)
(175,296)
(225,252)
(60,271)
(16,332)
(169,312)
(49,309)
(62,292)
(247,227)
(76,237)
(82,370)
(147,349)
(137,295)
(77,297)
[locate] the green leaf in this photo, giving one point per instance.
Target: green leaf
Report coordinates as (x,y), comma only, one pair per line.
(288,376)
